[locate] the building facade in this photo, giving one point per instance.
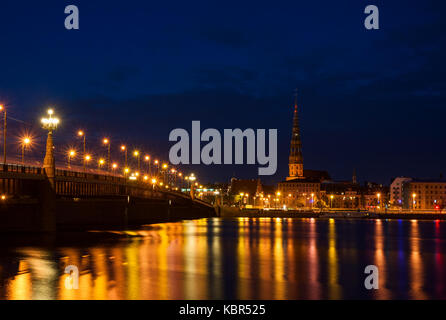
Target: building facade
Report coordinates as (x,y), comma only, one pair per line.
(424,194)
(396,191)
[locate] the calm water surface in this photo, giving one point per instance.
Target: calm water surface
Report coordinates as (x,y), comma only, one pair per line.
(245,258)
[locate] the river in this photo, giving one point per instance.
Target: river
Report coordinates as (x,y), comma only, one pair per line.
(240,258)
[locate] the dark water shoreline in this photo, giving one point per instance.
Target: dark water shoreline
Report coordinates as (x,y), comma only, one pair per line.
(232,258)
(231,212)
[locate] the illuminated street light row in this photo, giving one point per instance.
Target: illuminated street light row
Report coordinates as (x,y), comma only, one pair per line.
(50,122)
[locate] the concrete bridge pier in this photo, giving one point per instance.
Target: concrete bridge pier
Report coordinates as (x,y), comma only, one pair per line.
(48,188)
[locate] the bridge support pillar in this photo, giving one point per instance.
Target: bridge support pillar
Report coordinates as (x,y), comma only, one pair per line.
(48,195)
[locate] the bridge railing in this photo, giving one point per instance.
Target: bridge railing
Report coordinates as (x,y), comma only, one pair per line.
(17,168)
(89,174)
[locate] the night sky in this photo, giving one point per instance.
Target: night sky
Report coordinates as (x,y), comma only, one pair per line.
(373,100)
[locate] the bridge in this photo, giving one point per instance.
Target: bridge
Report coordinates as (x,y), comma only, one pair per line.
(85,199)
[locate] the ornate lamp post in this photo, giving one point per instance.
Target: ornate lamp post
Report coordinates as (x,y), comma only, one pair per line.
(50,123)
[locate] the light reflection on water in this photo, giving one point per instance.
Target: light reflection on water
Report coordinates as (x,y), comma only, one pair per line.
(245,258)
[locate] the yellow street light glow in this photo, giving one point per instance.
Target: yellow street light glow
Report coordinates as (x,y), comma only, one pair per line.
(114,165)
(278,193)
(147,158)
(332,196)
(137,174)
(164,166)
(26,141)
(180,174)
(1,107)
(126,170)
(72,153)
(50,123)
(154,181)
(87,157)
(122,147)
(146,178)
(156,161)
(105,141)
(3,197)
(80,133)
(101,161)
(136,153)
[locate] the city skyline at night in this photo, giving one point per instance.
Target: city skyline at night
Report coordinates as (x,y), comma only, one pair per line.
(367,98)
(232,159)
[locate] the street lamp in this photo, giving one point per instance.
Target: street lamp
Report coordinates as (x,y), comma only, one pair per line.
(25,142)
(2,108)
(331,201)
(106,142)
(192,179)
(82,135)
(164,172)
(87,159)
(378,195)
(413,200)
(50,123)
(156,162)
(101,163)
(138,156)
(153,183)
(312,200)
(114,167)
(147,158)
(124,149)
(71,154)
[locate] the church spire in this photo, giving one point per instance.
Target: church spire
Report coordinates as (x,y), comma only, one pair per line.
(296,161)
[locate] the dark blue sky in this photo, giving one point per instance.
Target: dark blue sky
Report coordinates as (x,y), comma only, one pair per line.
(374,100)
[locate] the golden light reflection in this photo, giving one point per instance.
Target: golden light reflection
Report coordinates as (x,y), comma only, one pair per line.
(259,258)
(416,269)
(380,260)
(333,286)
(313,263)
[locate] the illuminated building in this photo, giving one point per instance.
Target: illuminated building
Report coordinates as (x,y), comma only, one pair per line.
(424,194)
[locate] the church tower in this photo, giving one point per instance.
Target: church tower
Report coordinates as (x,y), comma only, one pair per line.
(296,161)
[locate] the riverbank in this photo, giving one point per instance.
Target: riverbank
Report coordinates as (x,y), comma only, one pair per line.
(231,212)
